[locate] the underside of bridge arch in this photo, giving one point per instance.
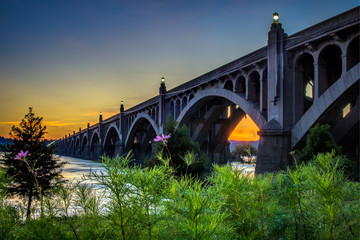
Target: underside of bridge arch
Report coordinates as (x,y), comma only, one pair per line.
(240,85)
(77,147)
(95,147)
(211,120)
(85,148)
(139,140)
(254,87)
(72,147)
(112,143)
(353,53)
(330,67)
(304,84)
(343,117)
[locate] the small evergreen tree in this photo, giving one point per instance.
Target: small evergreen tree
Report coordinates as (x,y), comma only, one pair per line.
(319,140)
(45,168)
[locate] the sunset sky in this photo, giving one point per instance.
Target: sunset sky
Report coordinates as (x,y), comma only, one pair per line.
(71,59)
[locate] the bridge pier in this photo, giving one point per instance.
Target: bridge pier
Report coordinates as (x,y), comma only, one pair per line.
(72,152)
(274,148)
(85,153)
(77,153)
(96,153)
(119,149)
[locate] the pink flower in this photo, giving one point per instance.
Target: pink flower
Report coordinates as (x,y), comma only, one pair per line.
(21,155)
(162,138)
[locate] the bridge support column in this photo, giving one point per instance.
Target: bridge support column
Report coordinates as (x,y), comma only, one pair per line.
(85,153)
(119,149)
(72,152)
(274,148)
(97,152)
(78,153)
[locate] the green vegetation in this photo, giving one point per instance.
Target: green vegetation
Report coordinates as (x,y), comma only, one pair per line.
(36,175)
(243,152)
(313,201)
(177,148)
(319,140)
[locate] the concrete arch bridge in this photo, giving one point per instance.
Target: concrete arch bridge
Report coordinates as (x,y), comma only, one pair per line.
(286,87)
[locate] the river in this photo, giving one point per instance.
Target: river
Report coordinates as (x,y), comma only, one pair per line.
(76,168)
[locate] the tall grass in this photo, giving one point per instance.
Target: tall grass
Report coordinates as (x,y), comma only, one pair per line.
(311,201)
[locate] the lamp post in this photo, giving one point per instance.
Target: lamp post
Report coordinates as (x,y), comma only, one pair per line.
(275,17)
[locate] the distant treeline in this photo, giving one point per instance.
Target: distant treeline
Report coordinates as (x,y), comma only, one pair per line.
(4,140)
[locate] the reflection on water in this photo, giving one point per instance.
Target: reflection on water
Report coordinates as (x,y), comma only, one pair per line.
(76,168)
(73,171)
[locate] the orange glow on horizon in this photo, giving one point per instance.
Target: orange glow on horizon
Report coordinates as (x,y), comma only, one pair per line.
(58,129)
(246,130)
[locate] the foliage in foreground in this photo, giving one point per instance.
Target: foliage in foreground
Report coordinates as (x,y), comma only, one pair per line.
(176,148)
(36,176)
(313,201)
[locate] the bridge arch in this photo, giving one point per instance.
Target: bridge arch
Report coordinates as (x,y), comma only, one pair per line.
(95,145)
(240,84)
(112,140)
(329,66)
(140,135)
(84,141)
(212,115)
(229,85)
(254,87)
(183,102)
(248,107)
(95,137)
(332,99)
(177,108)
(352,53)
(304,84)
(172,107)
(77,142)
(136,122)
(112,128)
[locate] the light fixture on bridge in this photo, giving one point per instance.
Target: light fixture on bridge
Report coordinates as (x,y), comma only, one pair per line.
(162,80)
(275,17)
(122,106)
(100,117)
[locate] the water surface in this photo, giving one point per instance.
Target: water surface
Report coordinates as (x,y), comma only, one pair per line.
(76,168)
